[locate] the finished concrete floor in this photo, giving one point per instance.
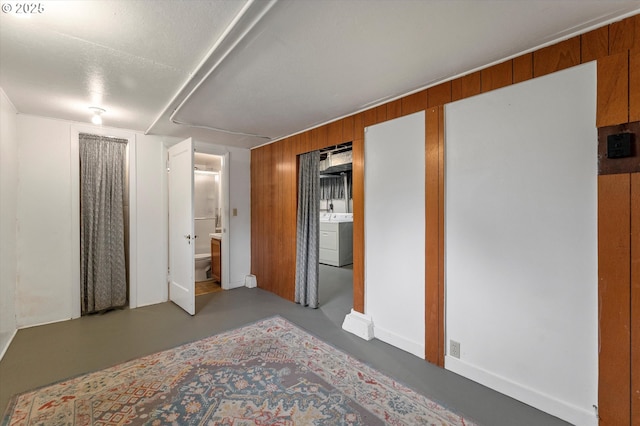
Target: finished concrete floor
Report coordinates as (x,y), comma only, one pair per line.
(49,353)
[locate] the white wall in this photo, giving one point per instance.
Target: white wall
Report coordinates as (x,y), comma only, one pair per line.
(152,225)
(394,194)
(521,241)
(8,214)
(47,235)
(44,221)
(239,199)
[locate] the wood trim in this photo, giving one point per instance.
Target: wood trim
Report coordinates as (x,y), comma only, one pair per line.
(556,57)
(394,109)
(334,133)
(614,299)
(594,44)
(523,68)
(370,117)
(635,298)
(348,129)
(381,113)
(432,261)
(358,126)
(497,76)
(414,103)
(624,35)
(466,86)
(634,87)
(291,214)
(358,224)
(439,95)
(441,238)
(278,222)
(612,106)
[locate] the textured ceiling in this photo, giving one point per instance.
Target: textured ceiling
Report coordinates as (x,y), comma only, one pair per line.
(265,67)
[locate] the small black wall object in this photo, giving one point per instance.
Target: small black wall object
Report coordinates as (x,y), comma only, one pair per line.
(619,146)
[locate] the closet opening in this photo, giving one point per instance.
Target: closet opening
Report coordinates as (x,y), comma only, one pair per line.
(104,223)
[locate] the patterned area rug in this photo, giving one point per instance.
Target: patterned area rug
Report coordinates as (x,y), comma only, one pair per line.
(268,373)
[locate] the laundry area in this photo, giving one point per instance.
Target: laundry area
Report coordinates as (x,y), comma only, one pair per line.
(336,206)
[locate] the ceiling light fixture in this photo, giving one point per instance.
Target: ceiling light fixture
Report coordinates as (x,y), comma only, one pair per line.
(97,115)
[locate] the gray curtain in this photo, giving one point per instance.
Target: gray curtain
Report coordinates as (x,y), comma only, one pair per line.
(308,223)
(332,188)
(102,238)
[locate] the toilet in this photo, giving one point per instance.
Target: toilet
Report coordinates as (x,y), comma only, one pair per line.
(202,266)
(202,263)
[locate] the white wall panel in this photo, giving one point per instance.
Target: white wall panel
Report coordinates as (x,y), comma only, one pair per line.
(395,231)
(8,214)
(45,264)
(521,241)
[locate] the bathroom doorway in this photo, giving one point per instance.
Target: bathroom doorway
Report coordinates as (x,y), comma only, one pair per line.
(208,222)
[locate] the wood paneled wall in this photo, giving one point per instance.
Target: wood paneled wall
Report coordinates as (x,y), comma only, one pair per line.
(616,48)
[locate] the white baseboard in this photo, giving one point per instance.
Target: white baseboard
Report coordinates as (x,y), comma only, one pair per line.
(358,324)
(5,340)
(400,342)
(561,409)
(235,285)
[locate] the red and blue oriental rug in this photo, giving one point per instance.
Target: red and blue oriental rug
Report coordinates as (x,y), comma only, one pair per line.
(267,373)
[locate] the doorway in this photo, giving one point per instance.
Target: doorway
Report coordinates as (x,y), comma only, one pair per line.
(103,222)
(214,218)
(336,230)
(208,222)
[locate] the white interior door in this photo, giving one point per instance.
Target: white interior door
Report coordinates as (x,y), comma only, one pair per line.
(181,246)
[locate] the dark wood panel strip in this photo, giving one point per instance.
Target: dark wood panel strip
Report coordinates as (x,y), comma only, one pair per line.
(466,86)
(523,68)
(414,103)
(614,299)
(635,299)
(394,109)
(594,44)
(334,133)
(319,137)
(634,88)
(556,57)
(497,76)
(624,35)
(612,106)
(370,117)
(432,287)
(441,238)
(439,95)
(348,129)
(381,113)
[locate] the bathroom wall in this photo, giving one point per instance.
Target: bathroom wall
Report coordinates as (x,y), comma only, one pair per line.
(206,188)
(206,203)
(8,209)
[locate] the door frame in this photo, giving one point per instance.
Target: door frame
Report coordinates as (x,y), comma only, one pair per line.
(225,173)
